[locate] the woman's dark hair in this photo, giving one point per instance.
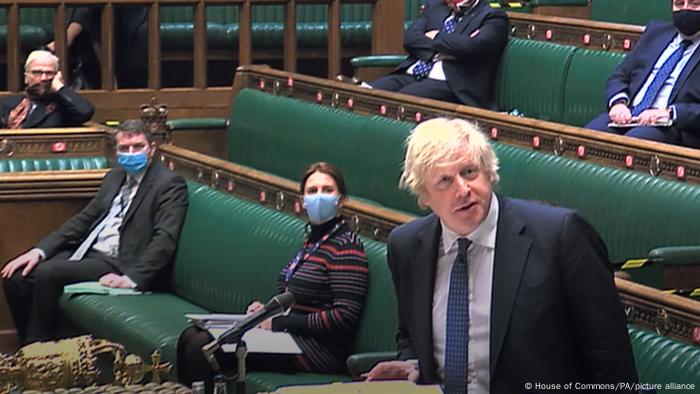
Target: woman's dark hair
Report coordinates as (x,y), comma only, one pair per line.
(324,168)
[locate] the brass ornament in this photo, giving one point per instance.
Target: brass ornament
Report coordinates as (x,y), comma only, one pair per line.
(155,115)
(7,147)
(67,363)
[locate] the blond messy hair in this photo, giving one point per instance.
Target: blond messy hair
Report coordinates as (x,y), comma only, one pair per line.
(40,54)
(441,140)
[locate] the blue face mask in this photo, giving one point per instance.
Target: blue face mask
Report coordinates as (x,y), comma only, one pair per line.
(133,163)
(321,207)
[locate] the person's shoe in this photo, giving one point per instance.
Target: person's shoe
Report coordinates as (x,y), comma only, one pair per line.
(346,79)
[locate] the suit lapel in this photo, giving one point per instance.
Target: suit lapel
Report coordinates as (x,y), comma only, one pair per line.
(511,256)
(143,189)
(687,70)
(468,17)
(36,116)
(428,239)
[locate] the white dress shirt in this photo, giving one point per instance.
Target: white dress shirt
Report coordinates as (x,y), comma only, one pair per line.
(480,257)
(107,241)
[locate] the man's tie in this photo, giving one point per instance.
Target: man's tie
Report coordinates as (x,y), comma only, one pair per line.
(117,210)
(422,68)
(660,79)
(457,335)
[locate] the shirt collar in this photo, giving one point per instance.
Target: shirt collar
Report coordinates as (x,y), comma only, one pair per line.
(484,234)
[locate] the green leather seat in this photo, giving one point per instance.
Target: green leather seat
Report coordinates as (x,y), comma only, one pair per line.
(662,360)
(259,241)
(53,164)
(636,12)
(300,133)
(35,30)
(533,88)
(585,84)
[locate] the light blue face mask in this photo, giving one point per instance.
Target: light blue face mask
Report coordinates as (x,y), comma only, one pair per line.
(133,163)
(321,207)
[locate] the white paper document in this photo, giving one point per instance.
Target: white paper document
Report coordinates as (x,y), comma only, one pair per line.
(257,340)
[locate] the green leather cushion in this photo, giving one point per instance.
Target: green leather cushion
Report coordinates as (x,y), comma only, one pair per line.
(634,212)
(142,323)
(368,149)
(664,360)
(533,88)
(585,84)
(53,164)
(638,12)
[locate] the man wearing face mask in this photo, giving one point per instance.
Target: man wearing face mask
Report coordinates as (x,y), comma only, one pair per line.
(454,49)
(46,102)
(654,93)
(125,237)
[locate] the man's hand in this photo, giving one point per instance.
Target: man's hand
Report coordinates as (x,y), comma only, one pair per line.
(620,114)
(393,370)
(28,260)
(114,280)
(51,46)
(57,82)
(653,115)
(431,34)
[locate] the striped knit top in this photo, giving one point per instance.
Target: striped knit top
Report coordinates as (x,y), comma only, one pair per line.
(329,288)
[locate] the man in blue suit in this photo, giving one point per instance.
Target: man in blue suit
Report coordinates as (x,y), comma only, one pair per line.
(657,87)
(496,294)
(454,49)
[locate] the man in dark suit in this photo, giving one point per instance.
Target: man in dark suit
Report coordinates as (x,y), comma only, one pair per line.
(657,87)
(454,49)
(496,294)
(46,101)
(125,237)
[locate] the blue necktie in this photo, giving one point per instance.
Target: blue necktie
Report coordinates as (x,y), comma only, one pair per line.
(660,79)
(457,333)
(422,68)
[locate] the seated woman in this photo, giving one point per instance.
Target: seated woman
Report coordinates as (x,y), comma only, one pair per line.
(328,278)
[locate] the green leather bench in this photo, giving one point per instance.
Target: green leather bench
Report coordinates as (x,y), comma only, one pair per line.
(207,277)
(53,164)
(636,12)
(635,213)
(34,30)
(565,85)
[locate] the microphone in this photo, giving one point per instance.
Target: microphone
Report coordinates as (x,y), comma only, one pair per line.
(276,306)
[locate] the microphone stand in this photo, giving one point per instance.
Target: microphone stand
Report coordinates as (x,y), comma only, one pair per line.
(241,353)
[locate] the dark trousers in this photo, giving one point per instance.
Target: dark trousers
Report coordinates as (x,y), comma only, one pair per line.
(408,84)
(192,366)
(33,299)
(668,135)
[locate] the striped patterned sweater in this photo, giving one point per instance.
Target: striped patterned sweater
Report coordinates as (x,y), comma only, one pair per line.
(329,288)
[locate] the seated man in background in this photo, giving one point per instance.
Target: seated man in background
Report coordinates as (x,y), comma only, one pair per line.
(654,93)
(454,49)
(495,293)
(46,102)
(125,237)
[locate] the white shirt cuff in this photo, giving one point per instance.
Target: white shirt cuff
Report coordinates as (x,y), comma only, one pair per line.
(41,253)
(618,96)
(129,281)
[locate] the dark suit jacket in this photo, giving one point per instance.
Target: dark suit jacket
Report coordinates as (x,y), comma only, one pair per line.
(70,110)
(475,49)
(630,75)
(555,312)
(149,233)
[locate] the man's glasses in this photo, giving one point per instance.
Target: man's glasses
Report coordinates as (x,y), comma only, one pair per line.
(39,73)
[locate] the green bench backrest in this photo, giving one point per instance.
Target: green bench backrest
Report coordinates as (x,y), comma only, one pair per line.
(53,164)
(534,88)
(282,136)
(585,84)
(231,252)
(566,84)
(662,360)
(636,12)
(634,212)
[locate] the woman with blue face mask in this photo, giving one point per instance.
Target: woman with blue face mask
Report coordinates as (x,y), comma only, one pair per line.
(328,278)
